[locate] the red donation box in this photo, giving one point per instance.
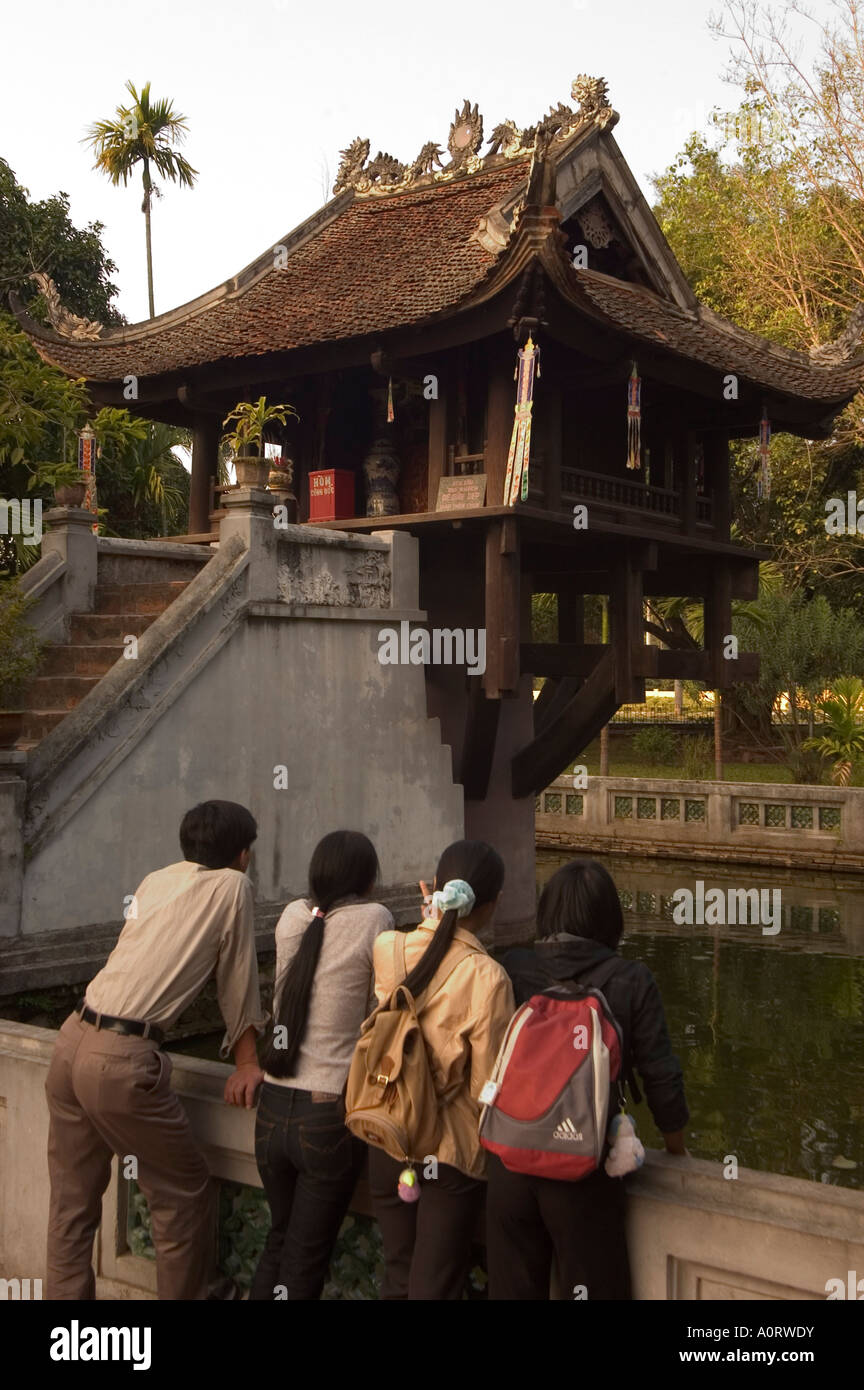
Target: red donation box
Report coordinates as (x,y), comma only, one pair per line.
(331,495)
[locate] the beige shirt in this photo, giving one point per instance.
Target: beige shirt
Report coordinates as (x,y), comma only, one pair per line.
(463,1026)
(342,993)
(184,924)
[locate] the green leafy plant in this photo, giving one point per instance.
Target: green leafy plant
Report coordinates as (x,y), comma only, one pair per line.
(698,758)
(655,746)
(20,651)
(251,419)
(843,741)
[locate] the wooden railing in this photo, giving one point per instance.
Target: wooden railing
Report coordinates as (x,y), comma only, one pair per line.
(661,502)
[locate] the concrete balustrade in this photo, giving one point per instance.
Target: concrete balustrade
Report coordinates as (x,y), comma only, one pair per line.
(746,822)
(693,1233)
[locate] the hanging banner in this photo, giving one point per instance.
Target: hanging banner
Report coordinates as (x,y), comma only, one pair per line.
(764,485)
(634,419)
(516,482)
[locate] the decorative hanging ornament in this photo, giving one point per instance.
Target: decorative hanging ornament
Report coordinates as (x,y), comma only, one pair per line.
(408,1187)
(516,481)
(391,413)
(764,485)
(634,419)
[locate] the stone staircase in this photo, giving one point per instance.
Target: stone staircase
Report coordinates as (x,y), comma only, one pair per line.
(96,641)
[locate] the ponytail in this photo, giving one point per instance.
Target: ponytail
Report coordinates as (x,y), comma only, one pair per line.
(344,864)
(482,868)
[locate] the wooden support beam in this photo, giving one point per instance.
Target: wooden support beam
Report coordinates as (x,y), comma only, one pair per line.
(500,405)
(478,745)
(553,698)
(685,469)
(718,626)
(716,448)
(206,436)
(627,627)
(565,737)
(502,608)
(439,419)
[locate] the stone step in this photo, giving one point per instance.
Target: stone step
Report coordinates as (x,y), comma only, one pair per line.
(38,723)
(138,598)
(102,628)
(92,659)
(47,694)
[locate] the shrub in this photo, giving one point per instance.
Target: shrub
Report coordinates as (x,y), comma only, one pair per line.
(19,647)
(697,761)
(655,746)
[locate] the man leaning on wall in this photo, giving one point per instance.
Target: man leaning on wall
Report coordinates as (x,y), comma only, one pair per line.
(108,1085)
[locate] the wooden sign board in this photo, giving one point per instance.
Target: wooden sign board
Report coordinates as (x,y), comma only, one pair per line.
(461,494)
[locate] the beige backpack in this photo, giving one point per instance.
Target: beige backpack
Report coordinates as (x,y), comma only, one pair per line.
(391,1101)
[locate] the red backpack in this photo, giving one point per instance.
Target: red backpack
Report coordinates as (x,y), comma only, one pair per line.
(546,1109)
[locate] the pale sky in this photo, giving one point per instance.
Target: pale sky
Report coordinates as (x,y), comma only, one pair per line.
(274,89)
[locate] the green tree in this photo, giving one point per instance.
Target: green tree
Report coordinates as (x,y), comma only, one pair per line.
(142,132)
(41,236)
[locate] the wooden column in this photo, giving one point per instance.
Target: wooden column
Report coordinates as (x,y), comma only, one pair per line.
(571,611)
(502,609)
(439,412)
(685,463)
(717,465)
(500,405)
(206,435)
(722,671)
(550,435)
(627,628)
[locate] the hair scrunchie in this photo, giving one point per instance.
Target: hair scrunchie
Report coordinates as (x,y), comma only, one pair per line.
(316,912)
(456,894)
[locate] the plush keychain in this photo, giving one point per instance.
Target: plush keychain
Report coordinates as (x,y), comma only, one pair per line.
(408,1188)
(626,1153)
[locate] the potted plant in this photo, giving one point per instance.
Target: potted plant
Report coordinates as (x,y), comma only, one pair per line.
(68,482)
(21,657)
(247,438)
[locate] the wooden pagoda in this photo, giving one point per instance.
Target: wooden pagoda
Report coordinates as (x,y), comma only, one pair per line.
(408,295)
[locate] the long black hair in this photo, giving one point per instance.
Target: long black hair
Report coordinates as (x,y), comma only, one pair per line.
(481,866)
(581,899)
(344,864)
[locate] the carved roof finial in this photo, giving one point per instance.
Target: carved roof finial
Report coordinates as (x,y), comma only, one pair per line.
(63,321)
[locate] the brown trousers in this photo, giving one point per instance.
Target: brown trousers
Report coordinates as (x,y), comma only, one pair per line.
(110,1094)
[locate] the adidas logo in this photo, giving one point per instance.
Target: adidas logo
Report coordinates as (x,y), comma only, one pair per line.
(567,1130)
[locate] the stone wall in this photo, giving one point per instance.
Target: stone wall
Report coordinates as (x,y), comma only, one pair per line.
(693,1234)
(743,822)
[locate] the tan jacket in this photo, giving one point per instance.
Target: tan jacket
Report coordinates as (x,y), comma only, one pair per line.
(463,1025)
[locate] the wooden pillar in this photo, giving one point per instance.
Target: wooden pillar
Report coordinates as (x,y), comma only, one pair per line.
(502,609)
(718,625)
(571,611)
(500,404)
(550,437)
(685,461)
(206,436)
(627,628)
(717,466)
(439,438)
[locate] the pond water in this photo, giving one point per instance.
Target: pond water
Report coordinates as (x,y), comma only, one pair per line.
(769,1029)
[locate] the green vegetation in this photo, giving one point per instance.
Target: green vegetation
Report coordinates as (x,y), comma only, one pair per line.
(142,132)
(18,643)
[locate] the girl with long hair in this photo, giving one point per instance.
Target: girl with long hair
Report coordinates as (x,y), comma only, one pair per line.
(307,1159)
(464,1002)
(532,1220)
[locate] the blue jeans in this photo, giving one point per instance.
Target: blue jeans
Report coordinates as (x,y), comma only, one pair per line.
(309,1163)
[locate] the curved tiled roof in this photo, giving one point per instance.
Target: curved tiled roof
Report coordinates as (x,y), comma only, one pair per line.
(368,266)
(704,336)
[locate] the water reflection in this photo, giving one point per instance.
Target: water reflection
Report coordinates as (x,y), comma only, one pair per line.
(769,1029)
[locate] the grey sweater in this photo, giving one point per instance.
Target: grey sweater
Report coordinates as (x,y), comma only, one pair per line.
(342,991)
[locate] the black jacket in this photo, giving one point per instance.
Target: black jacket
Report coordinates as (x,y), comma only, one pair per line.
(634,998)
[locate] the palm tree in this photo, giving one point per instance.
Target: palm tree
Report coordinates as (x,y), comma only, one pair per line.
(142,133)
(843,708)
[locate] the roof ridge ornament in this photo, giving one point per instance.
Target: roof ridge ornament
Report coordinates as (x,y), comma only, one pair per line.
(385,174)
(843,347)
(62,320)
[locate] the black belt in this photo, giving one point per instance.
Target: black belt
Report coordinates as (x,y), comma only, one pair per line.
(129,1026)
